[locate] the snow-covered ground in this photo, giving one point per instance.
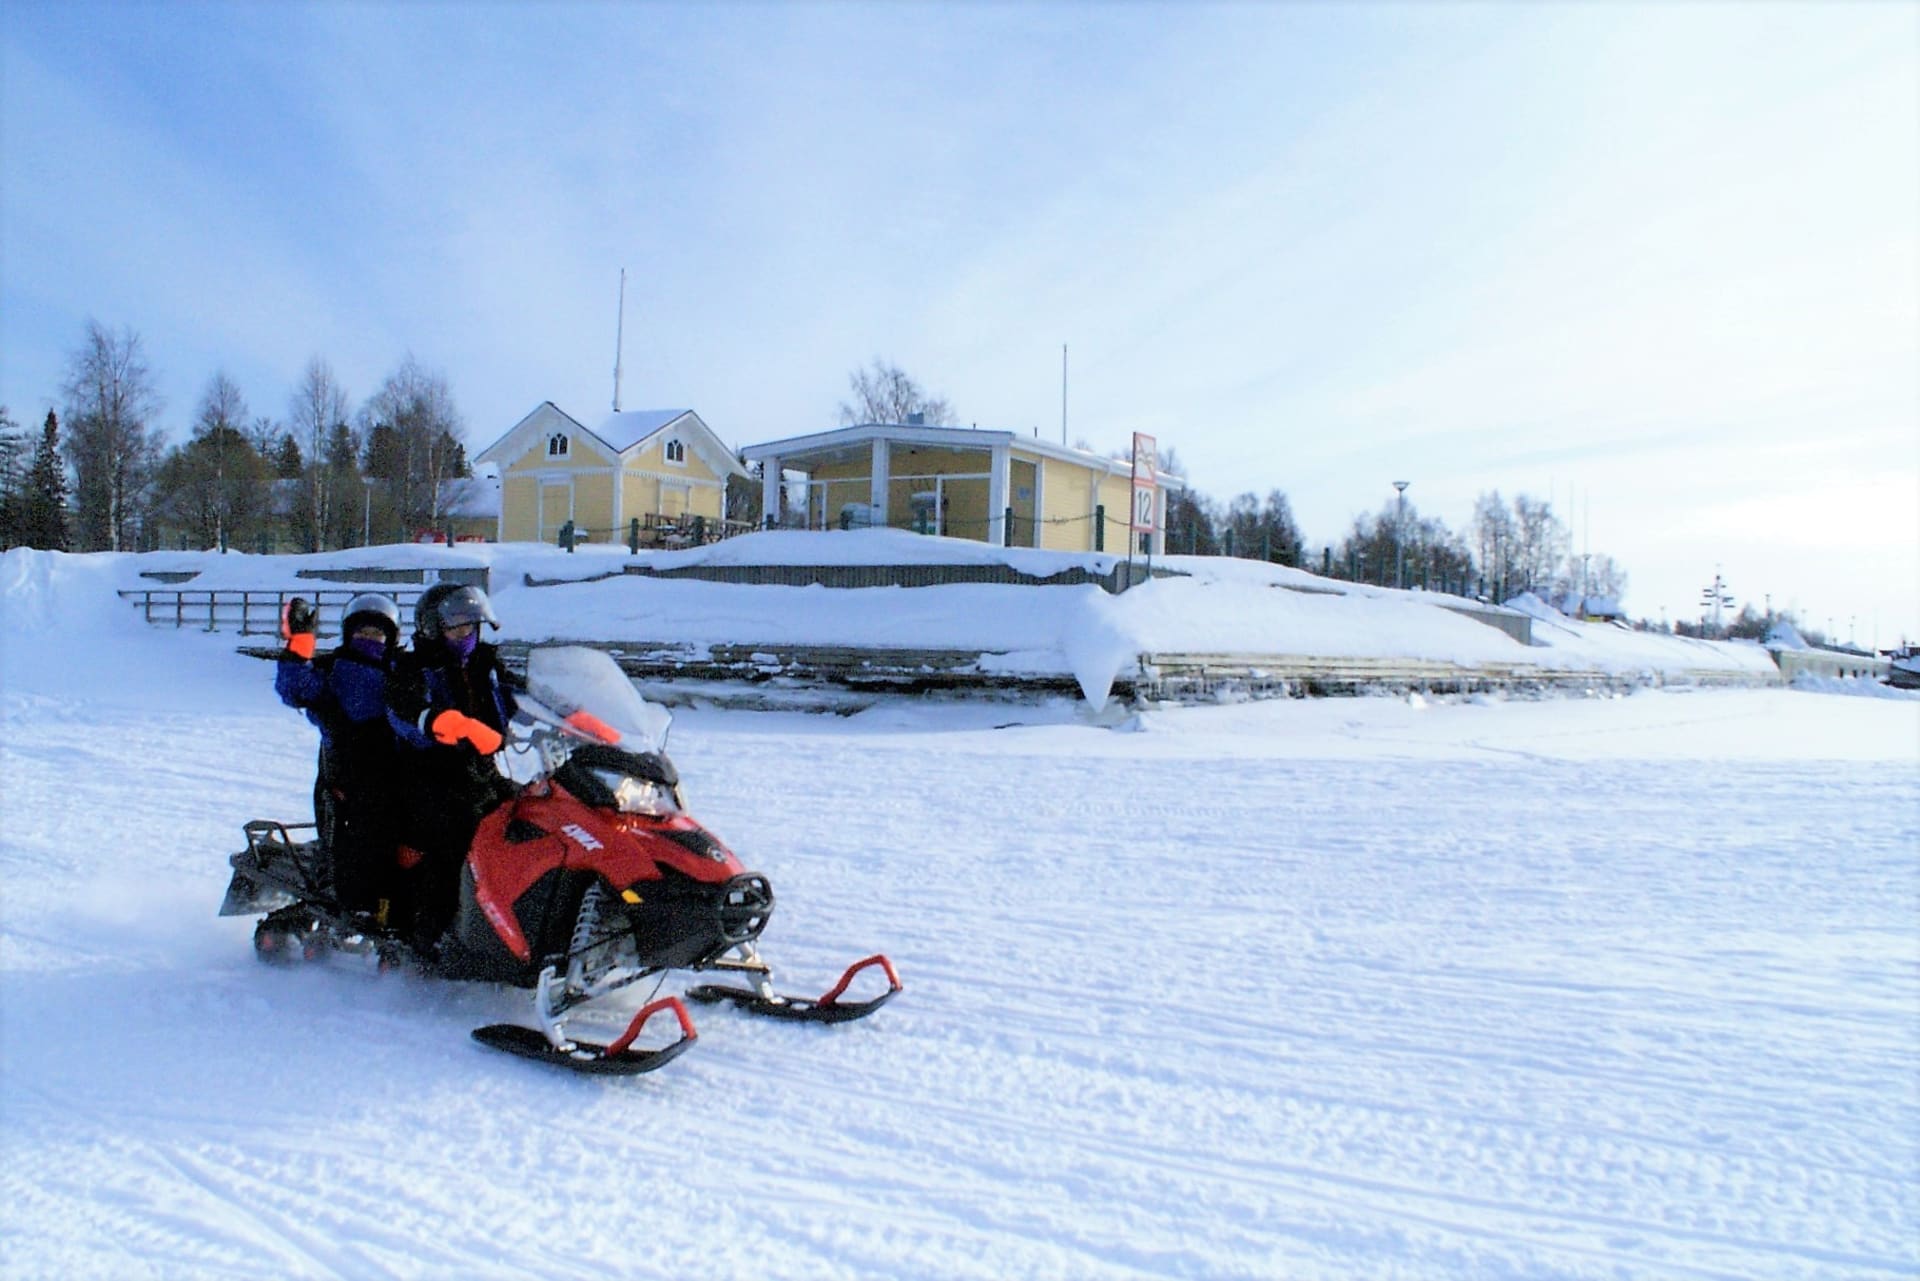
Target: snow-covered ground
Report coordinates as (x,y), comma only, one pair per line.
(1378,988)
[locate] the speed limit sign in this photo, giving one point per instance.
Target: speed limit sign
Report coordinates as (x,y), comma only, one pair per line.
(1142,509)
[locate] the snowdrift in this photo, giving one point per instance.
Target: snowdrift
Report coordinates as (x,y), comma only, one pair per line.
(1214,606)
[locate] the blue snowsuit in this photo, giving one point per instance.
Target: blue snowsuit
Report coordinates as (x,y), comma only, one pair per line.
(357,791)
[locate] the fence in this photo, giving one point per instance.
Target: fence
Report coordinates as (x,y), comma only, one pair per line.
(253,613)
(1008,529)
(1123,575)
(655,531)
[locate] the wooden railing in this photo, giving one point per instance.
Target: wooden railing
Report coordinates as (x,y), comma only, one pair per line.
(250,612)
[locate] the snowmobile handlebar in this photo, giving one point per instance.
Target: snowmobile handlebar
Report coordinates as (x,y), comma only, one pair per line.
(553,735)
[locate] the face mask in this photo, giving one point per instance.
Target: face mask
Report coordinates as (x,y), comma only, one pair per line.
(463,645)
(368,647)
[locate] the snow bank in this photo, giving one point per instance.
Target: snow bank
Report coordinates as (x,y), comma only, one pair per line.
(50,599)
(1217,605)
(64,625)
(1855,686)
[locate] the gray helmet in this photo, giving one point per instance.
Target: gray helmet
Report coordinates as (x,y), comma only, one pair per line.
(372,608)
(447,605)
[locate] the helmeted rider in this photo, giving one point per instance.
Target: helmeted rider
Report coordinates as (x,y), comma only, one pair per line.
(358,785)
(450,703)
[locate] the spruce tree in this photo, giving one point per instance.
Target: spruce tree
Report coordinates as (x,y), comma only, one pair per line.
(287,463)
(14,456)
(43,520)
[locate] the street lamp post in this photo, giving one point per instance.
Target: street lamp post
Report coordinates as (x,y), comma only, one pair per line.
(1400,536)
(366,519)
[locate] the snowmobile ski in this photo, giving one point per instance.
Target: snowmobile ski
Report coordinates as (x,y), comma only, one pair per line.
(617,1058)
(828,1009)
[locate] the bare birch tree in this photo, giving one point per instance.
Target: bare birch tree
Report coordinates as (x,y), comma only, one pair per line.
(217,430)
(1540,542)
(413,443)
(319,405)
(110,401)
(1493,545)
(884,394)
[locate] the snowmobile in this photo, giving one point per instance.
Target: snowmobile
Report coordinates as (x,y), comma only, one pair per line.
(590,878)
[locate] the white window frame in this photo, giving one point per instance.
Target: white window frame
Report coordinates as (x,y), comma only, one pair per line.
(675,445)
(559,445)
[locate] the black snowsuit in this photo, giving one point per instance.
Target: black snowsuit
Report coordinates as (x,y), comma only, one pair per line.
(450,787)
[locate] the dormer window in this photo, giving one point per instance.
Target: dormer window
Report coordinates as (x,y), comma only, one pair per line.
(557,445)
(676,451)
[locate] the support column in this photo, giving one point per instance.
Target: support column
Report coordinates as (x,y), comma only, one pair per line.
(877,489)
(770,491)
(997,490)
(1039,502)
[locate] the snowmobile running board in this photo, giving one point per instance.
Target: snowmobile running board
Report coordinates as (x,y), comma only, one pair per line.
(828,1009)
(617,1058)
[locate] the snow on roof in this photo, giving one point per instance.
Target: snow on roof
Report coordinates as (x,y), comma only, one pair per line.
(1784,635)
(625,430)
(472,497)
(1574,605)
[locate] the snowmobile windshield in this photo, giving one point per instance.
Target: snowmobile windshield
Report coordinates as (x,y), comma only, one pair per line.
(572,679)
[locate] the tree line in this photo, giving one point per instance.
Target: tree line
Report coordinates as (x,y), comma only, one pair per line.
(1507,549)
(100,477)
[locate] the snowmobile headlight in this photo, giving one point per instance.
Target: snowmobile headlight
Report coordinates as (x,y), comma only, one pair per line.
(638,795)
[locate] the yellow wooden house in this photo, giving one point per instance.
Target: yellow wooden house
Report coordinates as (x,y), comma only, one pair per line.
(992,486)
(660,467)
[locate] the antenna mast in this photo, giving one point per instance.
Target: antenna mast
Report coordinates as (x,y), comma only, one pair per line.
(1063,394)
(619,338)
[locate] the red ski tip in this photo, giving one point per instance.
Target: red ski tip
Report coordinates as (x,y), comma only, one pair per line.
(893,979)
(625,1039)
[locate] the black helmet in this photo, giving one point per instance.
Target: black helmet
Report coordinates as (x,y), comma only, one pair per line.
(375,608)
(447,605)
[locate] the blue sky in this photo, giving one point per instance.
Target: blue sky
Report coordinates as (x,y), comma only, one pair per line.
(1657,263)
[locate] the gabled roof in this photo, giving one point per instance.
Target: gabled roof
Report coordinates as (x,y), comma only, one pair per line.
(620,434)
(546,409)
(624,433)
(625,430)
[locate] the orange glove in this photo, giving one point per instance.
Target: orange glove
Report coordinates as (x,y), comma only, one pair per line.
(298,622)
(451,727)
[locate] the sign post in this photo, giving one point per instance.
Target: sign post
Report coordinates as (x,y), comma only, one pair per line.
(1145,484)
